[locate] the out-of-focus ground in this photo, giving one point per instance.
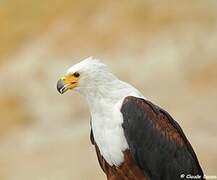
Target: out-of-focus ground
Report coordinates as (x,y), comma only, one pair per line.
(167,49)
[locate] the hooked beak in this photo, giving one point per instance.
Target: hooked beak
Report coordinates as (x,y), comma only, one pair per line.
(66,82)
(61,86)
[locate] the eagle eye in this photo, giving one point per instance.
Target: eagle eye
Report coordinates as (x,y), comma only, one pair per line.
(76,74)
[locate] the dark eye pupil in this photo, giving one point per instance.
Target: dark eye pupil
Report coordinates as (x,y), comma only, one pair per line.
(76,74)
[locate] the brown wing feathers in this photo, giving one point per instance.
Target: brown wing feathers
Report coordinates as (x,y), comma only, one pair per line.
(157,142)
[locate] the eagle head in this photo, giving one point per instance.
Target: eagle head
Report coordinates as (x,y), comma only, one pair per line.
(84,76)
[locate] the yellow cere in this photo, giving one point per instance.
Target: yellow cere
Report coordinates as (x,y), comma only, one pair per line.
(71,80)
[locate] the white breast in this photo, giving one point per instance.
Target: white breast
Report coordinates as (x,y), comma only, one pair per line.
(105,105)
(108,133)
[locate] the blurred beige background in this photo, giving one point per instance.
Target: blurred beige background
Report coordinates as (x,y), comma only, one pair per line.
(167,49)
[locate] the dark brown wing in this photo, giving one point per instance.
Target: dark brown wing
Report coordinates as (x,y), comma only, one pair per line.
(157,142)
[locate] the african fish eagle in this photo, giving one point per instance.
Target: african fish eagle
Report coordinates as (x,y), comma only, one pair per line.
(134,138)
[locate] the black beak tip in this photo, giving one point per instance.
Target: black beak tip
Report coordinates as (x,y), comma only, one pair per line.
(60,86)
